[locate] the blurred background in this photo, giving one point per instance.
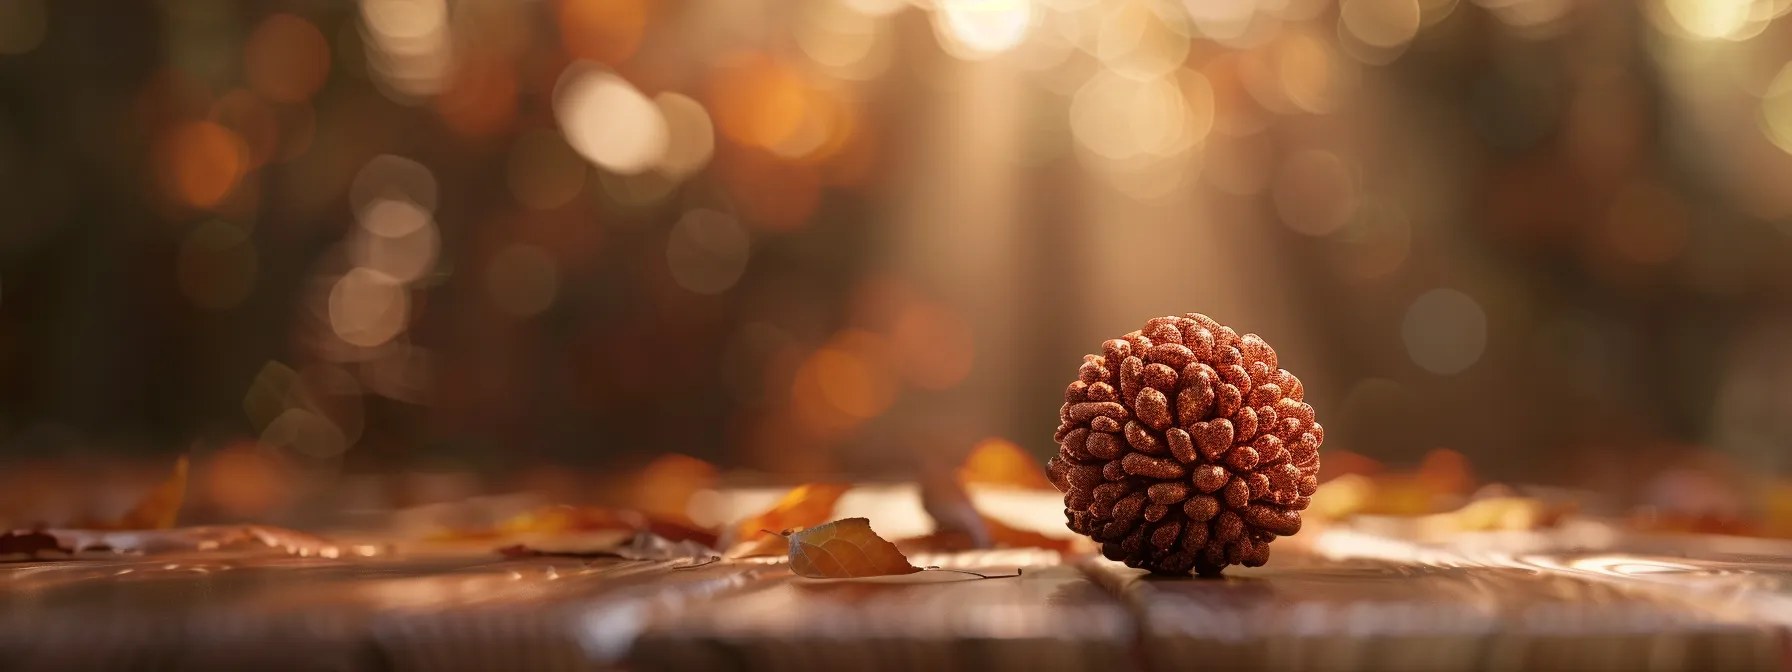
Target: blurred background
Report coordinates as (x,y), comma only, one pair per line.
(379,254)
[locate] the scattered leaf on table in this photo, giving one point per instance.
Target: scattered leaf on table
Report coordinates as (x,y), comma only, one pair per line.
(1000,462)
(28,543)
(560,519)
(805,506)
(161,508)
(158,510)
(845,549)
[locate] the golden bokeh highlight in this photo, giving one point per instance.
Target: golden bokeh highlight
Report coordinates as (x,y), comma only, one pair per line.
(844,383)
(368,308)
(286,59)
(1315,192)
(757,101)
(981,28)
(690,136)
(608,121)
(200,162)
(480,98)
(246,480)
(934,346)
(606,31)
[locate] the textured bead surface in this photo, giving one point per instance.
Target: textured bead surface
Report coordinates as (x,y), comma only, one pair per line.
(1184,446)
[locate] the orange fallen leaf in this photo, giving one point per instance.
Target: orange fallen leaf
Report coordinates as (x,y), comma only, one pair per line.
(158,510)
(845,549)
(805,506)
(999,462)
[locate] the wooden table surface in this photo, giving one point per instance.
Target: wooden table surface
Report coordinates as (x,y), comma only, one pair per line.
(1348,600)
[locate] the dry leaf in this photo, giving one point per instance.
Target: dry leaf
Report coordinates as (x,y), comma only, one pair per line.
(1000,462)
(641,546)
(160,508)
(805,506)
(560,519)
(845,549)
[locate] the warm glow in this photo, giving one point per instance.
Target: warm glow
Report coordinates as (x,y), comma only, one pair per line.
(1445,331)
(1386,24)
(368,308)
(286,59)
(691,138)
(398,239)
(389,177)
(201,162)
(608,121)
(975,28)
(1315,192)
(934,346)
(606,31)
(480,98)
(758,101)
(246,480)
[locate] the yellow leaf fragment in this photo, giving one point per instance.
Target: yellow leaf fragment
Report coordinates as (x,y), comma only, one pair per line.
(845,549)
(1002,463)
(807,505)
(161,507)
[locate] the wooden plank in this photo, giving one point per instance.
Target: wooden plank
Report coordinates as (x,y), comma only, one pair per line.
(1302,612)
(464,613)
(1049,618)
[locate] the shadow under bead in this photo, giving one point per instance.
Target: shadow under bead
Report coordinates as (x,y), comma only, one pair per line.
(1185,447)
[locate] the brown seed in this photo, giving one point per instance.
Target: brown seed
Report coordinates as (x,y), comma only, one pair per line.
(1142,439)
(1115,350)
(1193,404)
(1318,432)
(1199,340)
(1133,543)
(1269,449)
(1075,392)
(1201,508)
(1301,503)
(1266,420)
(1078,498)
(1178,563)
(1255,349)
(1155,512)
(1107,494)
(1227,400)
(1182,446)
(1102,445)
(1132,374)
(1063,430)
(1073,442)
(1234,375)
(1130,506)
(1167,329)
(1260,374)
(1153,408)
(1264,395)
(1161,377)
(1093,370)
(1236,494)
(1242,458)
(1213,557)
(1288,429)
(1138,342)
(1246,421)
(1103,423)
(1194,537)
(1175,355)
(1227,526)
(1290,384)
(1258,483)
(1304,449)
(1227,337)
(1172,492)
(1289,408)
(1102,392)
(1259,555)
(1210,477)
(1165,535)
(1082,476)
(1284,478)
(1139,464)
(1213,438)
(1113,471)
(1308,485)
(1238,550)
(1111,550)
(1083,412)
(1272,518)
